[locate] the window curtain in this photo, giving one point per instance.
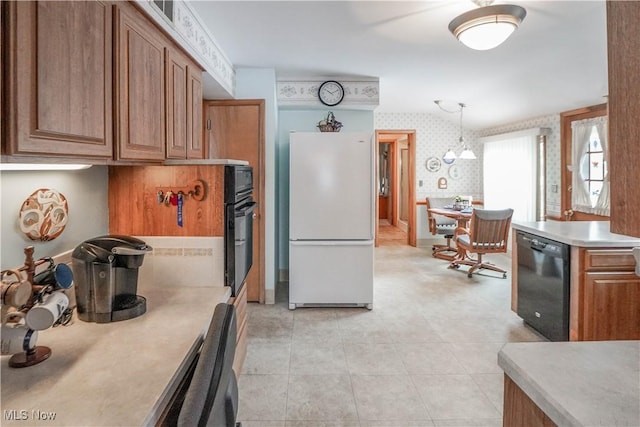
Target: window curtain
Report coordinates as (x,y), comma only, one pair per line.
(604,199)
(580,199)
(509,176)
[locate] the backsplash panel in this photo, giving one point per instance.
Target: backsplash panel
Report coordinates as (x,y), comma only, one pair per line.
(188,261)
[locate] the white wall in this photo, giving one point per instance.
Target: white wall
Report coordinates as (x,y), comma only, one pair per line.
(260,83)
(86,193)
(305,121)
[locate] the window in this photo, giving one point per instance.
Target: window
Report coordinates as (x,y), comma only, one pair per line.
(593,166)
(584,182)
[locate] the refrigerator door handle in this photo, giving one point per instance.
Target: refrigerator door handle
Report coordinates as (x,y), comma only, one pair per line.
(331,242)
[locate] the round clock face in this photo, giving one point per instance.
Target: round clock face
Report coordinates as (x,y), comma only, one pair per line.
(331,93)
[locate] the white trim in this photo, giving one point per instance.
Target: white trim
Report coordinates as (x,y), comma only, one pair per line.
(516,134)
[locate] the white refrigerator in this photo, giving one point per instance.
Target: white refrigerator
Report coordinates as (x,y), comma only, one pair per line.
(331,219)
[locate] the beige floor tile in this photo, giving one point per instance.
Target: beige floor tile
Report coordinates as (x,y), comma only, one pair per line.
(267,358)
(429,358)
(453,397)
(425,355)
(373,359)
(392,398)
(262,397)
(316,330)
(264,423)
(478,358)
(320,397)
(393,423)
(413,329)
(308,423)
(492,385)
(480,422)
(318,358)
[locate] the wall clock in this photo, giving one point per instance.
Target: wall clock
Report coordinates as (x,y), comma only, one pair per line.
(331,93)
(433,164)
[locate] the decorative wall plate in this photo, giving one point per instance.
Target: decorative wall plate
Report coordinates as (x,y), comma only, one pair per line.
(44,214)
(454,172)
(433,164)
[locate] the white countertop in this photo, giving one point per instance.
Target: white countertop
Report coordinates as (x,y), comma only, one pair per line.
(579,383)
(578,233)
(113,374)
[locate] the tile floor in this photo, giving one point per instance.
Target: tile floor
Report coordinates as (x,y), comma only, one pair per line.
(426,355)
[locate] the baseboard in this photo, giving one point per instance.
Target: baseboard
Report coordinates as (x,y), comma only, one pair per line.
(283,275)
(269,296)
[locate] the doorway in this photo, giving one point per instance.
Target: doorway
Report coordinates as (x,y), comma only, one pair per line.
(395,204)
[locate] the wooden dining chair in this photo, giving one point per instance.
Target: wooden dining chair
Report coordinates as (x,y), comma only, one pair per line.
(488,233)
(441,225)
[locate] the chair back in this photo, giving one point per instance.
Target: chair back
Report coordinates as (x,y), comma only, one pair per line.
(489,230)
(439,223)
(212,397)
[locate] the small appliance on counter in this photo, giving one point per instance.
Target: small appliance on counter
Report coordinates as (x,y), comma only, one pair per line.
(105,269)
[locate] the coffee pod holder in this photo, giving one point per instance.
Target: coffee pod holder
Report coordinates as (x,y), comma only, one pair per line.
(54,277)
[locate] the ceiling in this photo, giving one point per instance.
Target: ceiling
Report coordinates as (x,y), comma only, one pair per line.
(556,61)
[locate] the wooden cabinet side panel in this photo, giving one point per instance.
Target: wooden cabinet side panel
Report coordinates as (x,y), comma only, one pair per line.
(237,132)
(60,74)
(623,41)
(134,208)
(612,306)
(520,410)
(140,74)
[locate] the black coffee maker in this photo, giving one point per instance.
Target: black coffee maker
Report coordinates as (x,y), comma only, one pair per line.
(105,271)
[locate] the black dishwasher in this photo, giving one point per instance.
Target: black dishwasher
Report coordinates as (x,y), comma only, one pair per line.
(543,285)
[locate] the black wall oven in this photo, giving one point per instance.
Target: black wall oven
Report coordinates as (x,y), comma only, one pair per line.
(239,208)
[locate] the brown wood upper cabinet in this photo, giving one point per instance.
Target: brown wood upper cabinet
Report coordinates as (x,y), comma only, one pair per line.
(140,87)
(59,79)
(184,107)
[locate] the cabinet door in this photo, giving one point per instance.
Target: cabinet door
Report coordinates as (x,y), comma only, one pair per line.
(60,78)
(195,148)
(235,130)
(611,306)
(178,129)
(140,81)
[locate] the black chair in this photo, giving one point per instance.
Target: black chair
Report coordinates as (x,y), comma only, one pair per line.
(212,396)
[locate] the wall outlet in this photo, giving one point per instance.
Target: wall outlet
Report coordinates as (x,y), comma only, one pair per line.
(420,183)
(554,188)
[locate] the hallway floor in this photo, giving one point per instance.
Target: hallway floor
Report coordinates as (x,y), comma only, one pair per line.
(426,355)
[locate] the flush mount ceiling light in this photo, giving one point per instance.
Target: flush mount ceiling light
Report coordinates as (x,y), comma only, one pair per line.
(487,27)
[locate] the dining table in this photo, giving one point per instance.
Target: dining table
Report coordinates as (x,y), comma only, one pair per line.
(462,217)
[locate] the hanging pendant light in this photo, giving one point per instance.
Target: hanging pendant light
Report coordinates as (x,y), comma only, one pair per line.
(487,27)
(466,154)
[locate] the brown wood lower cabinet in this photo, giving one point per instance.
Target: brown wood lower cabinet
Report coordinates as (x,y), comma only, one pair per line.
(605,295)
(520,410)
(240,303)
(611,306)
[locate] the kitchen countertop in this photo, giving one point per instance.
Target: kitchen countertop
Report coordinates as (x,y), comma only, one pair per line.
(198,162)
(579,383)
(113,374)
(578,233)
